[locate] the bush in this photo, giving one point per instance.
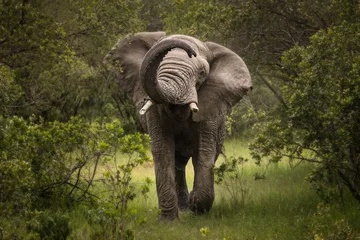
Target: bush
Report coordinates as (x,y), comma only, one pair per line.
(43,164)
(230,175)
(321,121)
(46,167)
(37,161)
(49,226)
(325,226)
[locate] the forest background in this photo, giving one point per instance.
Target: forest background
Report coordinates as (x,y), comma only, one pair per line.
(71,141)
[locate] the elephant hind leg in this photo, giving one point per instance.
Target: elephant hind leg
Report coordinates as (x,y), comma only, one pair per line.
(180,179)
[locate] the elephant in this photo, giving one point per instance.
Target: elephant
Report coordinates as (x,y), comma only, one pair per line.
(184,88)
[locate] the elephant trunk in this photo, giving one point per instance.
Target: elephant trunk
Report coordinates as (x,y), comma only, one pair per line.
(176,79)
(159,91)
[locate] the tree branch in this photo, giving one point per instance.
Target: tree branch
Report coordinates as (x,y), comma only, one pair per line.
(277,95)
(98,155)
(352,189)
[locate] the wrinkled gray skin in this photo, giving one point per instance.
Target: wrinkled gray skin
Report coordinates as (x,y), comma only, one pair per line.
(174,71)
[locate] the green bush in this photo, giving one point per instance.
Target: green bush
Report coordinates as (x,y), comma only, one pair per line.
(54,165)
(49,226)
(37,160)
(321,121)
(42,164)
(230,176)
(324,225)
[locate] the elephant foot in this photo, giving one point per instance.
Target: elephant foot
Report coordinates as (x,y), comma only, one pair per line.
(168,218)
(200,205)
(169,214)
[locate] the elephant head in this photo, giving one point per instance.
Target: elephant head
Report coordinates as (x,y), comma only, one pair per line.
(179,70)
(172,70)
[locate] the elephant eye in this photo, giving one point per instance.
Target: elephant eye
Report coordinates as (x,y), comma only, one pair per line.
(202,74)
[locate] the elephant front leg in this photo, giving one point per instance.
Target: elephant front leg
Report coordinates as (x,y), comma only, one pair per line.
(202,196)
(164,162)
(163,151)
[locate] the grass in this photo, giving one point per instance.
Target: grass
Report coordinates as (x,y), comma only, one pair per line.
(274,208)
(281,206)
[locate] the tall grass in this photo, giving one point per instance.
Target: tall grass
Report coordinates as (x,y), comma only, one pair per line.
(281,206)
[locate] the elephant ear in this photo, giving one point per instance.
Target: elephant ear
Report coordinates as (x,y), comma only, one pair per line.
(228,81)
(124,61)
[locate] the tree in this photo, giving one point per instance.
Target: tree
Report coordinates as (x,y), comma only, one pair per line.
(54,51)
(322,122)
(9,90)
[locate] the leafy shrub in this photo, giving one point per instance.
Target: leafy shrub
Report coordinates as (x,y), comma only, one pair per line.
(49,226)
(43,164)
(112,211)
(321,121)
(325,226)
(230,175)
(54,165)
(37,160)
(9,90)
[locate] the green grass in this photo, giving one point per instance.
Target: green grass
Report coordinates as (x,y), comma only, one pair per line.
(282,206)
(275,208)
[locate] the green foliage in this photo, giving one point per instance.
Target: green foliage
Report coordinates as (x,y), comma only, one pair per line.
(321,123)
(53,165)
(44,161)
(324,226)
(34,159)
(202,19)
(27,35)
(54,59)
(66,89)
(120,188)
(259,30)
(48,226)
(118,177)
(10,92)
(230,175)
(145,189)
(241,119)
(111,210)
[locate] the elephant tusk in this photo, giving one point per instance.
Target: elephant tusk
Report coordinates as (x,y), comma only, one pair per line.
(193,107)
(147,105)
